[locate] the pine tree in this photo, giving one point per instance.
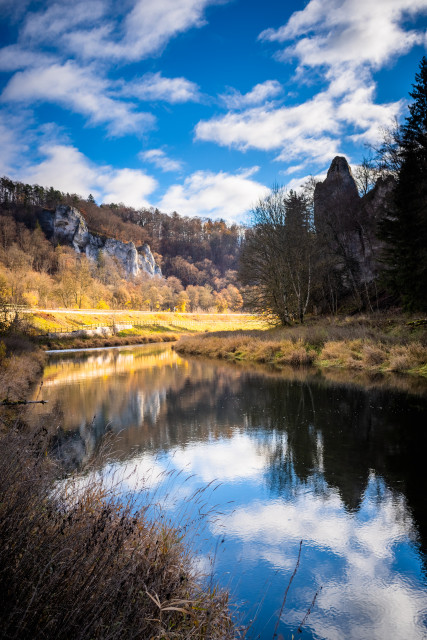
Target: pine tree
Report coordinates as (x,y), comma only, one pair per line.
(404,229)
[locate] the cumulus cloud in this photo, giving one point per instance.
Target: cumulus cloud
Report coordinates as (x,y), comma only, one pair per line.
(333,32)
(298,130)
(259,94)
(82,90)
(154,86)
(367,588)
(71,171)
(127,185)
(230,460)
(146,30)
(349,39)
(217,195)
(160,160)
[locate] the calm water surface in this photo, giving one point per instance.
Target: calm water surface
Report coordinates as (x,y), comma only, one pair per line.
(335,465)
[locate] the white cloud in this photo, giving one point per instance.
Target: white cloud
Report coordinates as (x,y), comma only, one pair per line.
(65,167)
(297,130)
(153,86)
(145,31)
(217,195)
(314,130)
(367,588)
(227,460)
(127,185)
(160,160)
(259,94)
(348,37)
(60,18)
(15,141)
(16,57)
(82,90)
(94,29)
(296,183)
(333,32)
(359,109)
(69,170)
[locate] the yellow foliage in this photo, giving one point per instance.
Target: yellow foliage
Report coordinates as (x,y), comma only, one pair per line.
(102,305)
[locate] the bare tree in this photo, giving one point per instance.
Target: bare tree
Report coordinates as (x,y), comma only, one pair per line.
(277,256)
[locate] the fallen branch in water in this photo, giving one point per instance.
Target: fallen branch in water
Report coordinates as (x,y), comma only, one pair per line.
(286,592)
(13,403)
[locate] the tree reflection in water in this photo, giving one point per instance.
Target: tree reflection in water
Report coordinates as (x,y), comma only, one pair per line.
(289,449)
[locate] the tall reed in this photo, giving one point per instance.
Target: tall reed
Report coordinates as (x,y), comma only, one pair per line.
(80,563)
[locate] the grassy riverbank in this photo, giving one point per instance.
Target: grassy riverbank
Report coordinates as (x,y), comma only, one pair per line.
(21,366)
(90,342)
(81,562)
(78,559)
(377,343)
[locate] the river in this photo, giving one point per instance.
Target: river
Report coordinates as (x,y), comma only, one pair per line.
(289,458)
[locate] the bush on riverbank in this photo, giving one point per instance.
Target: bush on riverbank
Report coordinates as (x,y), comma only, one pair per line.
(373,343)
(81,564)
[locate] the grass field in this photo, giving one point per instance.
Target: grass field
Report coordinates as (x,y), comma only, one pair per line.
(142,322)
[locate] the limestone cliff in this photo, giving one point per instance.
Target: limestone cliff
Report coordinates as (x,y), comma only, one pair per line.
(67,226)
(348,223)
(337,198)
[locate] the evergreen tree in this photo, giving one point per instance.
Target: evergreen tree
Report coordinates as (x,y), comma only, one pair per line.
(404,229)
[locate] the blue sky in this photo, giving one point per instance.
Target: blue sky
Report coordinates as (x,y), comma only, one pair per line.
(199,106)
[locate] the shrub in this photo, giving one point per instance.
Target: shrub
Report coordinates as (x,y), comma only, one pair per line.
(373,356)
(78,563)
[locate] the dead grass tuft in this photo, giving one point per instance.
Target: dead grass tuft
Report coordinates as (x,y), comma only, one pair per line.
(82,564)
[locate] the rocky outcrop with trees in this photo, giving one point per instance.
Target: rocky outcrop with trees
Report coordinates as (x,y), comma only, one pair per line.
(358,242)
(66,225)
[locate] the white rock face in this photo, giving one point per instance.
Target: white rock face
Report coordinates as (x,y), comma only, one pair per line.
(69,227)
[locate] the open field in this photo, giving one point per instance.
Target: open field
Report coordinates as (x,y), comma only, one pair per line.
(67,320)
(371,343)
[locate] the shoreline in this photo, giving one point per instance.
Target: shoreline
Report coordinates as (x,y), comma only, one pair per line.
(356,346)
(92,342)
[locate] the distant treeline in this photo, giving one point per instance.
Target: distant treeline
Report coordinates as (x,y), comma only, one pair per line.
(195,250)
(198,257)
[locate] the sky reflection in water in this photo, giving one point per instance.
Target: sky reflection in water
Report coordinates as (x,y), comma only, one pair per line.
(337,467)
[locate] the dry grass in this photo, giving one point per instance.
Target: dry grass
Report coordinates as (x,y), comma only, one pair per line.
(21,364)
(374,344)
(114,341)
(82,564)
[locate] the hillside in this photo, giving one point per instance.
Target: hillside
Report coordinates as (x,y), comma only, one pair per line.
(198,257)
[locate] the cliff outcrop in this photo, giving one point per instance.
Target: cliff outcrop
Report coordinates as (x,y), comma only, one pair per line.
(348,223)
(67,226)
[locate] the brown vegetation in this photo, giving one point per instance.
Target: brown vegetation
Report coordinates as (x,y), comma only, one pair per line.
(80,563)
(375,343)
(21,364)
(96,342)
(199,258)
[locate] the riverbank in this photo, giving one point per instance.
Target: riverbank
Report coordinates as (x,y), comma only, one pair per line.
(376,344)
(82,559)
(21,366)
(89,342)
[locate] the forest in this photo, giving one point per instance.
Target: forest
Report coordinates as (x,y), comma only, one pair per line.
(354,242)
(198,258)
